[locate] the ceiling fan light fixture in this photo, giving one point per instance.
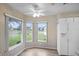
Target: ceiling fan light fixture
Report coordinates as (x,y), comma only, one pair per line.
(38,15)
(35,15)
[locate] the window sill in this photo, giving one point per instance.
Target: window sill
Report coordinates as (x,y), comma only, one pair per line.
(15,46)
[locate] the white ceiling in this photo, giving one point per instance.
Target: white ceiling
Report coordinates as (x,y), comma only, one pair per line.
(46,8)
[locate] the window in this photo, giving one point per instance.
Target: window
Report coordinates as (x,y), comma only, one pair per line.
(42,32)
(14,31)
(29,30)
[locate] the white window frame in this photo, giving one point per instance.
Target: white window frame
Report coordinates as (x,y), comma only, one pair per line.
(46,30)
(32,31)
(7,33)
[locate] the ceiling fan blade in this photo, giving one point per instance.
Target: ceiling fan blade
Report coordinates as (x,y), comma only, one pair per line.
(31,13)
(36,10)
(32,9)
(40,10)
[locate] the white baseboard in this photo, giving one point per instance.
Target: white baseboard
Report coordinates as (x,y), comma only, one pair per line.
(43,48)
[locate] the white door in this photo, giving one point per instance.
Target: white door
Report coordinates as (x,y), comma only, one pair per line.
(62,37)
(72,35)
(68,36)
(76,20)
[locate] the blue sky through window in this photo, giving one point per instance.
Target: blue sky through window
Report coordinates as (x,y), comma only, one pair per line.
(14,24)
(42,25)
(29,24)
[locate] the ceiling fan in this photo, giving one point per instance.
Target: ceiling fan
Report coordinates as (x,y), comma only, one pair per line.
(37,12)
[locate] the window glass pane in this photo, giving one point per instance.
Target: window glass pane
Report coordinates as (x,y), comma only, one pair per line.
(29,31)
(42,32)
(14,29)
